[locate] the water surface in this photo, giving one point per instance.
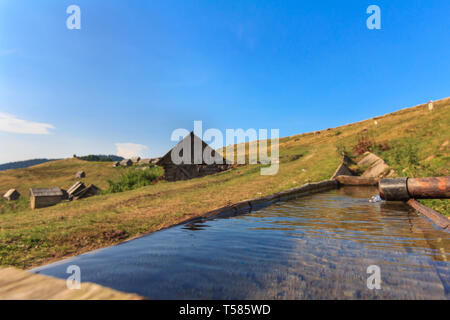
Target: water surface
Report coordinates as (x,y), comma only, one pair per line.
(316,247)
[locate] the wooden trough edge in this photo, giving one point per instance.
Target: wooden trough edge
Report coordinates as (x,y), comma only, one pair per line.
(357,181)
(262,202)
(17,284)
(431,214)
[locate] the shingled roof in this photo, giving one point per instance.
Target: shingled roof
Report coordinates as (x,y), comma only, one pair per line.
(12,194)
(167,158)
(46,192)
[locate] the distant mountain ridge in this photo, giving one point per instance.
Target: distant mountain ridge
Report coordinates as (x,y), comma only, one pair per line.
(100,157)
(23,164)
(34,162)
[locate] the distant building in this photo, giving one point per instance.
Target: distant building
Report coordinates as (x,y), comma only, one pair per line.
(149,161)
(145,161)
(154,160)
(80,175)
(11,195)
(135,159)
(79,191)
(126,163)
(185,171)
(89,191)
(430,105)
(40,198)
(75,189)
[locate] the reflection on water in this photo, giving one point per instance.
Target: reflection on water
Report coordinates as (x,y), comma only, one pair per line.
(317,247)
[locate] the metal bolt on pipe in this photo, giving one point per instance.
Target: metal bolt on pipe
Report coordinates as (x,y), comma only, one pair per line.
(402,189)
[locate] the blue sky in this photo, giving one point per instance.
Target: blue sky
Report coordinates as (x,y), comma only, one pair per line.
(137,70)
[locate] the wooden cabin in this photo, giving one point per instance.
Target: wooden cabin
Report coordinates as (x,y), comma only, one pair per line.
(149,162)
(11,195)
(145,161)
(89,191)
(80,175)
(126,163)
(154,160)
(186,171)
(135,160)
(40,198)
(79,191)
(75,189)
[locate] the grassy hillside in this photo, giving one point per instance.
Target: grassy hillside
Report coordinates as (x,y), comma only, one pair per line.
(414,141)
(59,173)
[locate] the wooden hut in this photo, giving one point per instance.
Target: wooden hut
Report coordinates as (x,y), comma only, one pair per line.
(126,163)
(145,161)
(40,198)
(80,175)
(79,191)
(89,191)
(74,190)
(185,171)
(149,162)
(154,160)
(135,159)
(11,195)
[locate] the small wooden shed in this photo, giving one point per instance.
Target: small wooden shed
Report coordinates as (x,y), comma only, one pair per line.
(79,191)
(185,171)
(135,159)
(40,198)
(89,191)
(145,161)
(126,163)
(80,175)
(11,195)
(75,189)
(154,160)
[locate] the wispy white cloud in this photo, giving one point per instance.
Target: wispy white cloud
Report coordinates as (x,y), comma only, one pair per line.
(128,150)
(10,123)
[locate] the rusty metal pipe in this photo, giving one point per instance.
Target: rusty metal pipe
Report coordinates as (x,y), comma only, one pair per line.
(429,188)
(402,189)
